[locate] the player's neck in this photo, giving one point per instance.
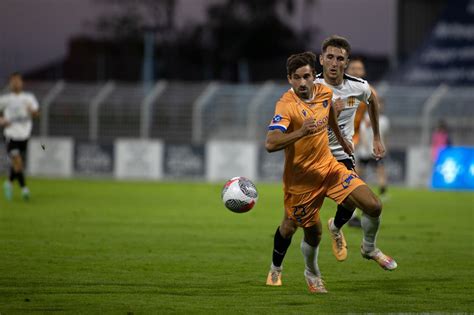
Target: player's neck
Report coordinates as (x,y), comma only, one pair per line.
(309,99)
(334,82)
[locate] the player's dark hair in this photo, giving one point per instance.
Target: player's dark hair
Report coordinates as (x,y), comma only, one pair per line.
(15,74)
(297,61)
(338,42)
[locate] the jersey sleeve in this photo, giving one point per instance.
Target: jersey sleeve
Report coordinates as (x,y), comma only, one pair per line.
(33,102)
(3,102)
(281,120)
(366,92)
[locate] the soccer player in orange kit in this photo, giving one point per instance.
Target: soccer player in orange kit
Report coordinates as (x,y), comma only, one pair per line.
(300,127)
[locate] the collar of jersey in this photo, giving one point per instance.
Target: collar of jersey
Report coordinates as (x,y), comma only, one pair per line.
(299,100)
(321,76)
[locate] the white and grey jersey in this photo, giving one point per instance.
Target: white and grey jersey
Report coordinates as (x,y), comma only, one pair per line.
(352,91)
(15,109)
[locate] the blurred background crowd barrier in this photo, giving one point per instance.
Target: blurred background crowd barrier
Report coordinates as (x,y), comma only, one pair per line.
(213,130)
(185,89)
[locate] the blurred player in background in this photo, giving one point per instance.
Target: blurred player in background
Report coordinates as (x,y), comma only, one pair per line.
(440,139)
(365,148)
(356,68)
(349,92)
(18,108)
(300,127)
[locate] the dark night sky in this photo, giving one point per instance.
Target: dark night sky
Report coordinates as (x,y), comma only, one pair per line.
(34,32)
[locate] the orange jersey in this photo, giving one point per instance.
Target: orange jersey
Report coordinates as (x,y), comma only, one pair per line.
(308,160)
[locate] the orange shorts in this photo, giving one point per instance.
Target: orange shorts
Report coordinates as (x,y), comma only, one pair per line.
(338,184)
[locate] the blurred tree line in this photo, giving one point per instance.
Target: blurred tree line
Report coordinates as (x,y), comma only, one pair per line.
(240,41)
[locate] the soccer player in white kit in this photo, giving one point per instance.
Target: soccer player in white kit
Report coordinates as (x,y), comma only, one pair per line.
(18,108)
(348,92)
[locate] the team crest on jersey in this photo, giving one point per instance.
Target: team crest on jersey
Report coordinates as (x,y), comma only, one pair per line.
(347,180)
(351,101)
(276,119)
(325,103)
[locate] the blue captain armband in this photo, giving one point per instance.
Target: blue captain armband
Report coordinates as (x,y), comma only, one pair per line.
(279,127)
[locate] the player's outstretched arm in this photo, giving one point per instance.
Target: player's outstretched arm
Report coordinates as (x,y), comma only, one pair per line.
(278,140)
(373,108)
(337,132)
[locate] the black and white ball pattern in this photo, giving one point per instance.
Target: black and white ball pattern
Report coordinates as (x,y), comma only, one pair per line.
(239,194)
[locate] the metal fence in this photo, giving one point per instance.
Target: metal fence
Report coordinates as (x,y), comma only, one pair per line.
(184,112)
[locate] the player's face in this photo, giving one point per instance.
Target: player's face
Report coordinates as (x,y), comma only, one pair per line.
(16,84)
(302,82)
(356,68)
(334,61)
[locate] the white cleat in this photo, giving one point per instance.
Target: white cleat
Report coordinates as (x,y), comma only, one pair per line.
(384,261)
(25,193)
(274,277)
(315,284)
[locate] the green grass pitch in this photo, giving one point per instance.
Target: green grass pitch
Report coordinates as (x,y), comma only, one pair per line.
(86,246)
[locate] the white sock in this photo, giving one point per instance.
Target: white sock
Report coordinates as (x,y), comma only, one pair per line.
(370,226)
(354,214)
(273,267)
(333,228)
(310,255)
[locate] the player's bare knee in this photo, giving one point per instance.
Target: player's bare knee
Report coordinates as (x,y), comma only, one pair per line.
(312,240)
(287,233)
(374,208)
(312,236)
(287,229)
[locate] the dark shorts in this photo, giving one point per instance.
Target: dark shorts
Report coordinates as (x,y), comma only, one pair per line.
(15,147)
(348,163)
(370,161)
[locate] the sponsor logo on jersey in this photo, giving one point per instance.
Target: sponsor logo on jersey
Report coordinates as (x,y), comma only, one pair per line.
(347,180)
(321,124)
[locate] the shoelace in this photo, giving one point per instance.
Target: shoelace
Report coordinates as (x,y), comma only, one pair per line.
(318,283)
(275,276)
(338,238)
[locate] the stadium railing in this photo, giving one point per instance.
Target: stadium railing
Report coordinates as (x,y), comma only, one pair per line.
(196,112)
(186,116)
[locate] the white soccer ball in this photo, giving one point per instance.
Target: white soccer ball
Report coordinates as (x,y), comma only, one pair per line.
(239,194)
